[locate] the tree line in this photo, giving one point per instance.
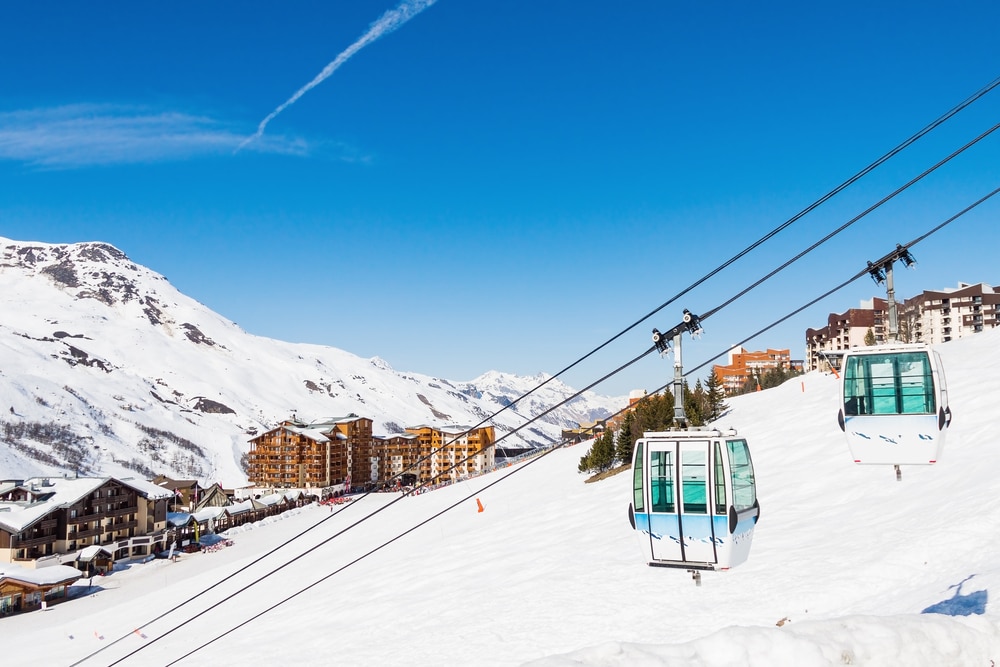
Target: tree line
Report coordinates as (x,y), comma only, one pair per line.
(702,404)
(772,377)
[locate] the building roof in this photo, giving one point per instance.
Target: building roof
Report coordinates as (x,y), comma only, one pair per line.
(207,513)
(167,483)
(406,436)
(312,432)
(177,519)
(146,489)
(88,554)
(245,506)
(62,493)
(275,498)
(52,493)
(452,429)
(53,575)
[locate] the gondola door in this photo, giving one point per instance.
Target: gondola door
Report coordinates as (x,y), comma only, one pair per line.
(680,503)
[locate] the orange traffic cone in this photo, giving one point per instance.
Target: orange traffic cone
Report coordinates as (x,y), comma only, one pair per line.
(479,503)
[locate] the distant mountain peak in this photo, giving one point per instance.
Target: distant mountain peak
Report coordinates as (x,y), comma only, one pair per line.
(106,368)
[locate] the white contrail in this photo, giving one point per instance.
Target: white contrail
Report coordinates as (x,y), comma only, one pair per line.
(389,21)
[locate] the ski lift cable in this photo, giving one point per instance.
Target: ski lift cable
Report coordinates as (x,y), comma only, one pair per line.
(850,181)
(468,497)
(362,519)
(853,220)
(860,274)
(230,576)
(808,209)
(708,314)
(422,523)
(829,195)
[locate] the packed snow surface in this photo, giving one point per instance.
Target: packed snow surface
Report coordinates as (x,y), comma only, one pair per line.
(848,566)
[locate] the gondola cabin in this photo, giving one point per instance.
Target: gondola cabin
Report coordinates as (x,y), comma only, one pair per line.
(894,407)
(694,500)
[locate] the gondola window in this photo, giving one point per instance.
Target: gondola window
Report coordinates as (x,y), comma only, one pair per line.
(744,487)
(894,384)
(694,475)
(720,482)
(637,495)
(662,481)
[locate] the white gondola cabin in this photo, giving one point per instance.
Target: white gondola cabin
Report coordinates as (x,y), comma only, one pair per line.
(694,499)
(894,404)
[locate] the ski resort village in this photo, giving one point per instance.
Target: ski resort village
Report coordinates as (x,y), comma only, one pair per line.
(558,334)
(89,511)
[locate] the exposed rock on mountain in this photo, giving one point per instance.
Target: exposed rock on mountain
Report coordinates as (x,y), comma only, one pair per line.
(107,369)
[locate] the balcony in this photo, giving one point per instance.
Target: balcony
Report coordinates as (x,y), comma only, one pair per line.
(132,509)
(80,534)
(18,543)
(84,518)
(120,525)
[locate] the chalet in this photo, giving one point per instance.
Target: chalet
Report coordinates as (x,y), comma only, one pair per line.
(53,517)
(247,511)
(587,431)
(186,492)
(94,560)
(24,589)
(333,455)
(213,496)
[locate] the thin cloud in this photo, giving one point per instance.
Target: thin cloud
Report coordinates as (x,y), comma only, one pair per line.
(87,135)
(391,20)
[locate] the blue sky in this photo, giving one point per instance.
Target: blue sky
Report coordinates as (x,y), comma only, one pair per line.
(501,185)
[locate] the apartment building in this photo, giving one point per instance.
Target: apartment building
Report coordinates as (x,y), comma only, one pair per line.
(744,365)
(396,457)
(343,451)
(933,317)
(939,316)
(452,452)
(318,454)
(844,331)
(44,518)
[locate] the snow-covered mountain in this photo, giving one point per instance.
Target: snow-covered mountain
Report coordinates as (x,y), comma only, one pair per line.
(106,368)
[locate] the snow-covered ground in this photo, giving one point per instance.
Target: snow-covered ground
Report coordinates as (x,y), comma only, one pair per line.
(856,567)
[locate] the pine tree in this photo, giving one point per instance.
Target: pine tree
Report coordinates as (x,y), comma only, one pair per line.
(655,413)
(625,439)
(716,397)
(869,337)
(601,455)
(695,404)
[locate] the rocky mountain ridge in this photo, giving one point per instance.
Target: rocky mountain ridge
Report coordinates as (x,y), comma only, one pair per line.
(105,368)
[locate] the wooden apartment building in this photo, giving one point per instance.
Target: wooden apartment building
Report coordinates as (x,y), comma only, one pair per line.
(334,452)
(452,452)
(319,454)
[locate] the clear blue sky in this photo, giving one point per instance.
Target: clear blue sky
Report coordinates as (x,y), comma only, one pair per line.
(501,185)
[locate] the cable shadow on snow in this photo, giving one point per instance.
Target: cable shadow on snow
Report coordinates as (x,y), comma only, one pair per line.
(959,604)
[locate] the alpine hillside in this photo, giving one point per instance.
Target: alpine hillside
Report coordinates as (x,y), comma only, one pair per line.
(107,369)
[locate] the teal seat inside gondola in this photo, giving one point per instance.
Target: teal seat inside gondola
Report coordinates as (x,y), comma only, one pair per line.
(662,494)
(695,501)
